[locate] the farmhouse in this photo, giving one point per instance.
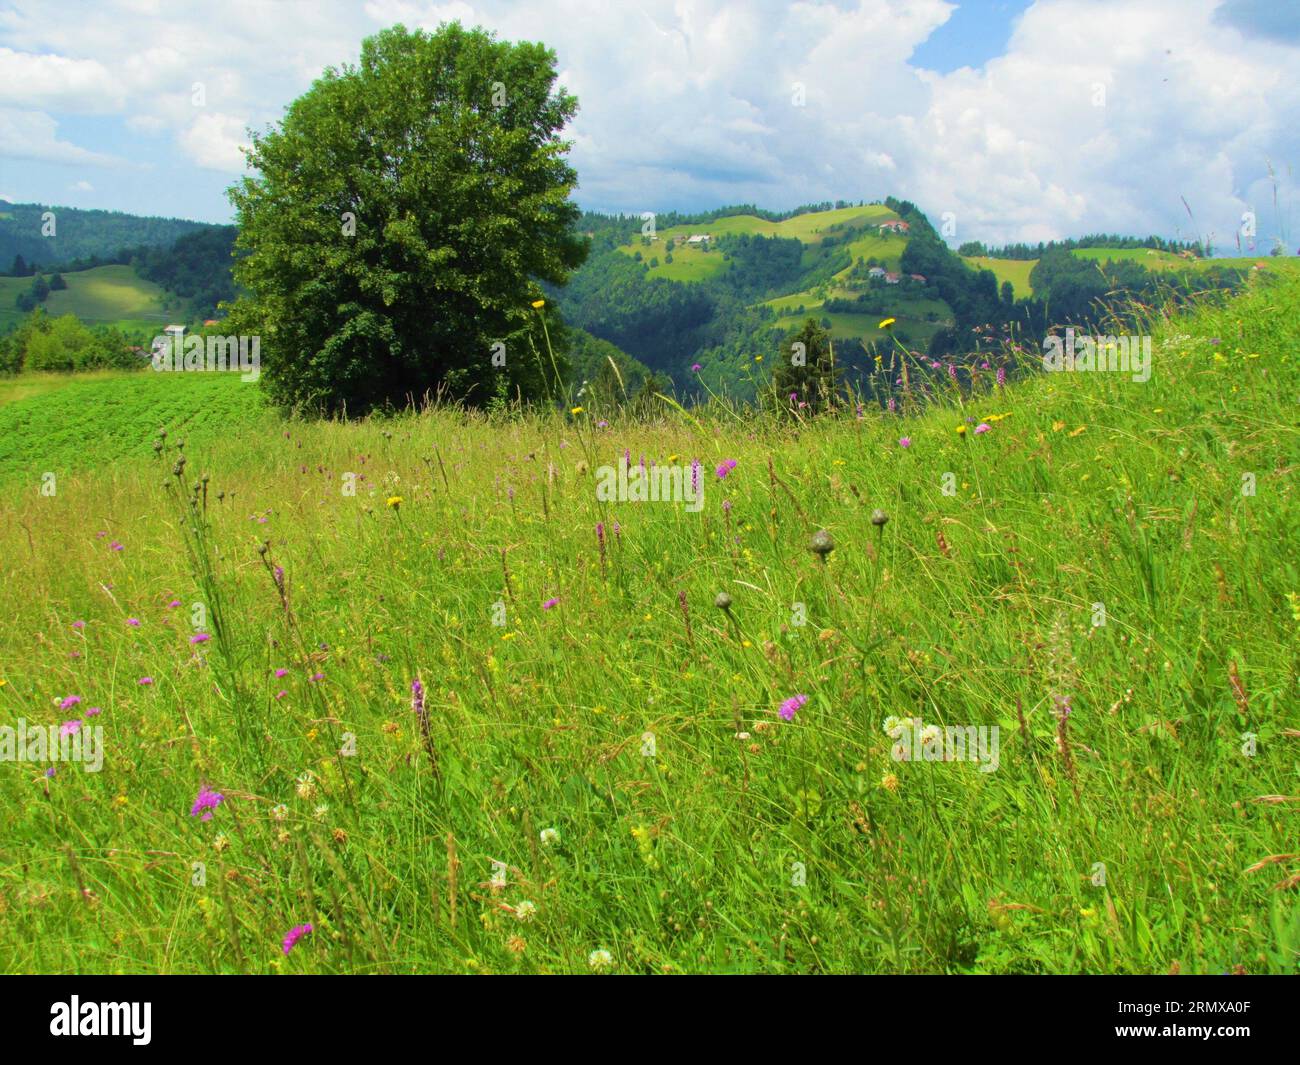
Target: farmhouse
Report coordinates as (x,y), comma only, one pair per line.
(894,227)
(917,277)
(876,271)
(699,240)
(892,278)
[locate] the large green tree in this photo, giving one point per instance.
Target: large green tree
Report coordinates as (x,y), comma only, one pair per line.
(400,220)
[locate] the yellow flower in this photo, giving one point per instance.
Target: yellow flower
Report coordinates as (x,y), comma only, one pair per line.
(961,430)
(1081,429)
(758,358)
(889,782)
(1057,426)
(394,501)
(886,323)
(538,304)
(575,410)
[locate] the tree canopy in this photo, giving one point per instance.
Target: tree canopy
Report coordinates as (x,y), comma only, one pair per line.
(400,221)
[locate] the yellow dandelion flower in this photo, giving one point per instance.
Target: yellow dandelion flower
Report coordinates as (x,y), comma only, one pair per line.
(758,358)
(394,501)
(961,430)
(575,410)
(538,304)
(886,323)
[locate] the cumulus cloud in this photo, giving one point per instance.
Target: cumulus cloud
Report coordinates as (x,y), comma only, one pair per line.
(1099,114)
(34,135)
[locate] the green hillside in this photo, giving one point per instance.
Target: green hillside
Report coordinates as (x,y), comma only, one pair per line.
(669,786)
(112,295)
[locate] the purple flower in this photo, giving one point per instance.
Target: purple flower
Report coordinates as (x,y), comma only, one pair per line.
(93,711)
(1002,377)
(726,505)
(70,702)
(316,677)
(68,728)
(145,680)
(790,706)
(696,368)
(549,603)
(725,468)
(281,694)
(133,622)
(174,603)
(200,637)
(78,624)
(417,697)
(296,933)
(888,403)
(983,427)
(207,801)
(904,441)
(602,425)
(115,546)
(50,772)
(281,672)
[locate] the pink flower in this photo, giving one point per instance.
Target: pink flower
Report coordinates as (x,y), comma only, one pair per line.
(296,933)
(697,368)
(200,637)
(94,711)
(904,441)
(550,603)
(788,708)
(69,727)
(983,427)
(115,546)
(727,466)
(174,603)
(70,702)
(281,694)
(207,801)
(281,672)
(78,624)
(145,680)
(133,622)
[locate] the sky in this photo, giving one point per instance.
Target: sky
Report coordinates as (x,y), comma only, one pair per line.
(1008,120)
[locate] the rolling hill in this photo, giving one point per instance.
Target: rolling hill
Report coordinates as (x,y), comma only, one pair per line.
(103,295)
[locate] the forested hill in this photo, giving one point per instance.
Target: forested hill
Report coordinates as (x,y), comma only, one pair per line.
(71,234)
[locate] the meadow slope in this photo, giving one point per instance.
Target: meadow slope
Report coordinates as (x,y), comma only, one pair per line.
(607,769)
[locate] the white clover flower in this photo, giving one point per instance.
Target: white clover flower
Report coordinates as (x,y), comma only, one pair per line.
(306,786)
(742,735)
(549,836)
(895,727)
(279,813)
(600,959)
(526,910)
(929,734)
(320,812)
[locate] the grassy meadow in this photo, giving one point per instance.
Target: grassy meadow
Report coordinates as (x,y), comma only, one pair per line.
(595,772)
(103,295)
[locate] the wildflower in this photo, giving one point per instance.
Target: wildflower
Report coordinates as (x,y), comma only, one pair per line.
(696,367)
(394,501)
(961,430)
(78,624)
(1002,377)
(983,427)
(70,702)
(94,711)
(725,468)
(279,813)
(722,601)
(889,782)
(904,441)
(886,323)
(602,425)
(282,672)
(526,910)
(601,959)
(879,517)
(417,697)
(145,680)
(316,676)
(207,801)
(296,933)
(550,603)
(50,772)
(575,410)
(538,304)
(68,728)
(550,836)
(788,708)
(133,622)
(758,358)
(200,637)
(115,546)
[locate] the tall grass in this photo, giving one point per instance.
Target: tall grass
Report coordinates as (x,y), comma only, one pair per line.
(616,760)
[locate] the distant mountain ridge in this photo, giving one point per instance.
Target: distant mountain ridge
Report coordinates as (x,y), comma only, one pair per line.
(79,234)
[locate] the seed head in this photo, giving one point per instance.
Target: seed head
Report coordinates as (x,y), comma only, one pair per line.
(722,601)
(879,517)
(821,544)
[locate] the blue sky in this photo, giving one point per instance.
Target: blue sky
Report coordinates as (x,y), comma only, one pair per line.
(1019,119)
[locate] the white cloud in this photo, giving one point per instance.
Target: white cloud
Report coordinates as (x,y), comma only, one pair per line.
(213,141)
(689,103)
(82,186)
(33,135)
